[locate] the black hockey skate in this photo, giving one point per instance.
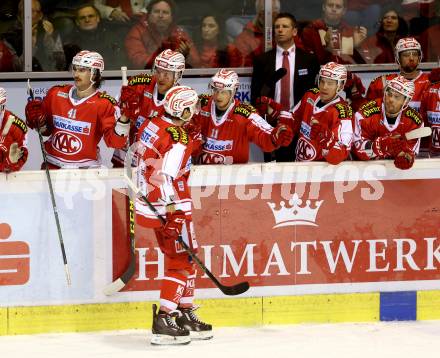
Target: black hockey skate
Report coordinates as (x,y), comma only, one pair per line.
(166,331)
(189,321)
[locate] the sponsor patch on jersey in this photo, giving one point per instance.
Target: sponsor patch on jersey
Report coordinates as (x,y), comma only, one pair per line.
(305,129)
(178,134)
(139,121)
(180,185)
(344,111)
(303,72)
(215,145)
(314,90)
(70,125)
(305,151)
(153,127)
(244,109)
(63,95)
(433,90)
(205,113)
(20,124)
(148,94)
(148,137)
(66,143)
(215,158)
(368,111)
(139,79)
(414,116)
(433,117)
(108,97)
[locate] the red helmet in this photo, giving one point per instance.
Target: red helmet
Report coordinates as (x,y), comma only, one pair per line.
(89,59)
(405,44)
(403,86)
(224,79)
(170,60)
(179,98)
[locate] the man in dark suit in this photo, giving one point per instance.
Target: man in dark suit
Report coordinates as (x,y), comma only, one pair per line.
(301,70)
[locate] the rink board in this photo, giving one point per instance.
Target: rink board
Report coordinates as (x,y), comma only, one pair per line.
(364,246)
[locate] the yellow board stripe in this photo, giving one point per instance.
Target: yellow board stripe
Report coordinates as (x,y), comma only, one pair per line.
(428,305)
(358,307)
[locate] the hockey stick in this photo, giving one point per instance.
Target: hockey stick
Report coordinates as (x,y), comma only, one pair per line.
(120,282)
(418,133)
(52,196)
(227,290)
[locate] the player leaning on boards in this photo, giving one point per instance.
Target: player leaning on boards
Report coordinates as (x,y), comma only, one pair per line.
(381,125)
(13,151)
(164,151)
(322,118)
(143,97)
(228,126)
(76,117)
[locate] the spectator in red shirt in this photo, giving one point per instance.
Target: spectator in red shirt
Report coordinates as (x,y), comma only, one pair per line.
(331,39)
(156,32)
(380,47)
(212,46)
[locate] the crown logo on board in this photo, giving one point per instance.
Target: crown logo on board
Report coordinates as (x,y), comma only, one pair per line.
(296,213)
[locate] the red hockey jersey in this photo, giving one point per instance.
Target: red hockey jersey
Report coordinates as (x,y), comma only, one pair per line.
(337,115)
(421,83)
(164,160)
(430,111)
(226,139)
(75,127)
(12,133)
(371,123)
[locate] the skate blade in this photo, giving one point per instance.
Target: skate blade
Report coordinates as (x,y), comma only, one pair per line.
(165,340)
(200,336)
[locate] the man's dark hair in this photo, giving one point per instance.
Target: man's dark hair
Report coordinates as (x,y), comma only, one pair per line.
(344,3)
(83,6)
(171,3)
(286,15)
(97,78)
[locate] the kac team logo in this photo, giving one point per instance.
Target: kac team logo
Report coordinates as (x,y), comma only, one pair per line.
(296,213)
(66,143)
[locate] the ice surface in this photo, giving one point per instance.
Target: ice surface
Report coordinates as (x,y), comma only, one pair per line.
(394,339)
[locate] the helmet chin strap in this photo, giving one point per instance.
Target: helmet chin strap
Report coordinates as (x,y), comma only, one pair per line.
(80,92)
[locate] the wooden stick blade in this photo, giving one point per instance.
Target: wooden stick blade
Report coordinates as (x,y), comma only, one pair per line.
(418,133)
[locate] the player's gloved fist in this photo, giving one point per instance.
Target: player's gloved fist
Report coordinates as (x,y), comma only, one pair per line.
(434,76)
(281,135)
(35,116)
(129,102)
(389,146)
(174,223)
(267,106)
(404,160)
(322,135)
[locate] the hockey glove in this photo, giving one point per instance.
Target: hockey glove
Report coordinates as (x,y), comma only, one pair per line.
(35,116)
(174,223)
(129,102)
(267,106)
(434,76)
(12,157)
(322,135)
(281,136)
(404,160)
(389,146)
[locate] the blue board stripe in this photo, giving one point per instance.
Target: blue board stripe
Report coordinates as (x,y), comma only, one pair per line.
(398,306)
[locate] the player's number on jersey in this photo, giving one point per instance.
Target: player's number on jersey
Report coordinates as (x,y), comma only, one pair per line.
(72,113)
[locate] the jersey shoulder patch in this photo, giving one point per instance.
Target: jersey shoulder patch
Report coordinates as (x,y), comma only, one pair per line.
(344,110)
(370,108)
(414,115)
(108,97)
(314,90)
(142,79)
(204,99)
(245,110)
(178,134)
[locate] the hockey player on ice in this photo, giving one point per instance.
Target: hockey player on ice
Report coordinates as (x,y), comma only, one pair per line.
(408,54)
(164,153)
(76,117)
(13,151)
(228,126)
(322,118)
(143,97)
(381,124)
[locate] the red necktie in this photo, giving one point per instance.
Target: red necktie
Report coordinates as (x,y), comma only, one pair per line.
(285,83)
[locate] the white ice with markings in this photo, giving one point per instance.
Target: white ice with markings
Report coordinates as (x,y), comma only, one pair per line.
(403,340)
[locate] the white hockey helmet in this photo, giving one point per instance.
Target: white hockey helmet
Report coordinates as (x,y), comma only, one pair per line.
(403,86)
(405,44)
(170,60)
(334,71)
(224,79)
(179,98)
(3,99)
(89,59)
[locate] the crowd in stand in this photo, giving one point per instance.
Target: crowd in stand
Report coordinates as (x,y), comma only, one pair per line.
(133,32)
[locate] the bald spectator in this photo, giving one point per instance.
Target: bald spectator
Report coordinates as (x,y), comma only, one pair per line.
(156,32)
(250,42)
(331,39)
(47,49)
